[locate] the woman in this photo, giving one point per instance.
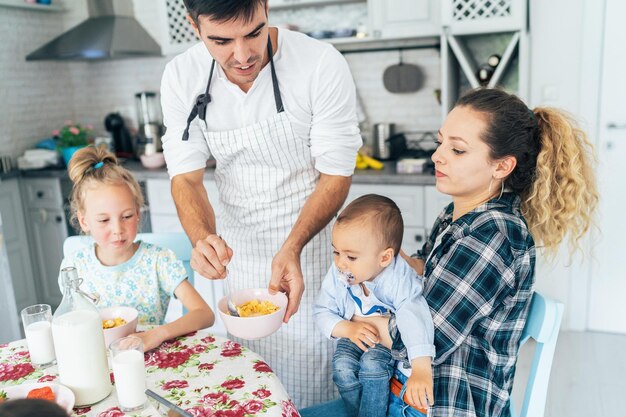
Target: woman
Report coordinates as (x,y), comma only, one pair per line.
(517,177)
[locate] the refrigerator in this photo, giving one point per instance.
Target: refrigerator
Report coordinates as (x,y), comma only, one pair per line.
(10,329)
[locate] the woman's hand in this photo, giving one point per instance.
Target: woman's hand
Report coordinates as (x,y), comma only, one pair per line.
(419,386)
(415,263)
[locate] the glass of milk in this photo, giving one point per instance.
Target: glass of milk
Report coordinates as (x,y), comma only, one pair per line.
(129,372)
(37,320)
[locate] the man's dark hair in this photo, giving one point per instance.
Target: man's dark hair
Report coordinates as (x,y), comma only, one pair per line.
(380,213)
(223,10)
(31,407)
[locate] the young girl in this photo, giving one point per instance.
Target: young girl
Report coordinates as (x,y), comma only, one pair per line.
(105,203)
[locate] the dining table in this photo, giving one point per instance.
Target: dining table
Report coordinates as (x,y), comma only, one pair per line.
(204,374)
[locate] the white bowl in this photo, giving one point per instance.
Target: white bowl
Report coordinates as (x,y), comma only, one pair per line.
(62,394)
(253,328)
(127,313)
(153,161)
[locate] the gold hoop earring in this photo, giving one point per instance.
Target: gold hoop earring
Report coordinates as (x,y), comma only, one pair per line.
(490,184)
(501,189)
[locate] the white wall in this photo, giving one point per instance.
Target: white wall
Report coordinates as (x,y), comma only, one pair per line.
(566,45)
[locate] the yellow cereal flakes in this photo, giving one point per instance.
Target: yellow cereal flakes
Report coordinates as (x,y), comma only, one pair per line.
(255,308)
(111,323)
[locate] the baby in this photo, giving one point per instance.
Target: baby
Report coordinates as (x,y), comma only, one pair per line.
(367,282)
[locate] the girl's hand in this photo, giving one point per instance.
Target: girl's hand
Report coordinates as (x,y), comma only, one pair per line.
(362,334)
(151,338)
(419,386)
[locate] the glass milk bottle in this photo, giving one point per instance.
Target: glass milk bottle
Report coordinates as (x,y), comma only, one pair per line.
(79,343)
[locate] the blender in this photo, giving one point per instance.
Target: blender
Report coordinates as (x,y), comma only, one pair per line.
(150,120)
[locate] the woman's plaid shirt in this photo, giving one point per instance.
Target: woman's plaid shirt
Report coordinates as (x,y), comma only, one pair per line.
(478,284)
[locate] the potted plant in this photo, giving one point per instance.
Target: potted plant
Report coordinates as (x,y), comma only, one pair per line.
(71,137)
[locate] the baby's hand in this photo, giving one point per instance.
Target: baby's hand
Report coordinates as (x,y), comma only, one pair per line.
(419,386)
(363,334)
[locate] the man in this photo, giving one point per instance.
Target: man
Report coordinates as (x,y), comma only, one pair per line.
(277,110)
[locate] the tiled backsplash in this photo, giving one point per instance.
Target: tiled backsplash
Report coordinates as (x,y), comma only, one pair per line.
(38,96)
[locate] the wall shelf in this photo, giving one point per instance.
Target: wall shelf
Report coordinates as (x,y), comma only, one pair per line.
(21,4)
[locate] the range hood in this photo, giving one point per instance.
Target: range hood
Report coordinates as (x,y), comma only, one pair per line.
(110,32)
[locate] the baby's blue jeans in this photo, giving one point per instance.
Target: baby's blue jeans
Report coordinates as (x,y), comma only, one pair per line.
(363,378)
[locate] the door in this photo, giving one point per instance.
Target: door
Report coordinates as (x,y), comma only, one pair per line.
(608,283)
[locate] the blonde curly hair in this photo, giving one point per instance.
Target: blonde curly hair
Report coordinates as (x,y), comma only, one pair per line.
(561,201)
(554,173)
(91,167)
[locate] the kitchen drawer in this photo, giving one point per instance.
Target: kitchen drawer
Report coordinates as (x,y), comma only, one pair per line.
(161,201)
(43,193)
(413,239)
(159,198)
(409,198)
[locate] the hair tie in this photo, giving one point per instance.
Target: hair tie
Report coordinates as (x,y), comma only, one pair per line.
(98,165)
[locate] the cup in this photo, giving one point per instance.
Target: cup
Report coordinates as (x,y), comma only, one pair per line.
(37,321)
(129,372)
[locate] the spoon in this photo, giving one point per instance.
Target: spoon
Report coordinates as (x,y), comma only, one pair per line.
(232,308)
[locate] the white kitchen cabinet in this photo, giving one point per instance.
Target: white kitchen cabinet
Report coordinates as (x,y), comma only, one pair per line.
(393,19)
(434,203)
(166,21)
(164,218)
(47,231)
(16,242)
(411,202)
(413,239)
(467,24)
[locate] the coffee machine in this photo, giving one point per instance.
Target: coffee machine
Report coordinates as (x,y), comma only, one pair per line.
(150,121)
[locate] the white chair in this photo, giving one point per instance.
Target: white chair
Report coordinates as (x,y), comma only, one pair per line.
(543,323)
(211,291)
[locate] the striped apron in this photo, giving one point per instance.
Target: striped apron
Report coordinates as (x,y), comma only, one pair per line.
(264,175)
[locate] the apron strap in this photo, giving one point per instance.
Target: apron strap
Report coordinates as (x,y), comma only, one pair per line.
(277,98)
(199,108)
(202,101)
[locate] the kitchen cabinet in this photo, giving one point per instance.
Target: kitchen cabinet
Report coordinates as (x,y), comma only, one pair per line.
(164,219)
(16,242)
(467,27)
(47,230)
(393,19)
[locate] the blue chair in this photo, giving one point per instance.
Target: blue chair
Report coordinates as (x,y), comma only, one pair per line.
(543,323)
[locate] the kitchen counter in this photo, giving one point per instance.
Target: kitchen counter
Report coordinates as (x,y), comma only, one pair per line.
(387,175)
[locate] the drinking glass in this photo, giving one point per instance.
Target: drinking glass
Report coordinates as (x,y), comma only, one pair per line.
(37,321)
(129,372)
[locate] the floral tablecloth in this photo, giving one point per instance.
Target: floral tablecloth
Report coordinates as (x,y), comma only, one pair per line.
(204,374)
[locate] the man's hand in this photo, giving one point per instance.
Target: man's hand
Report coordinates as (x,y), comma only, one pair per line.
(287,277)
(210,256)
(419,386)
